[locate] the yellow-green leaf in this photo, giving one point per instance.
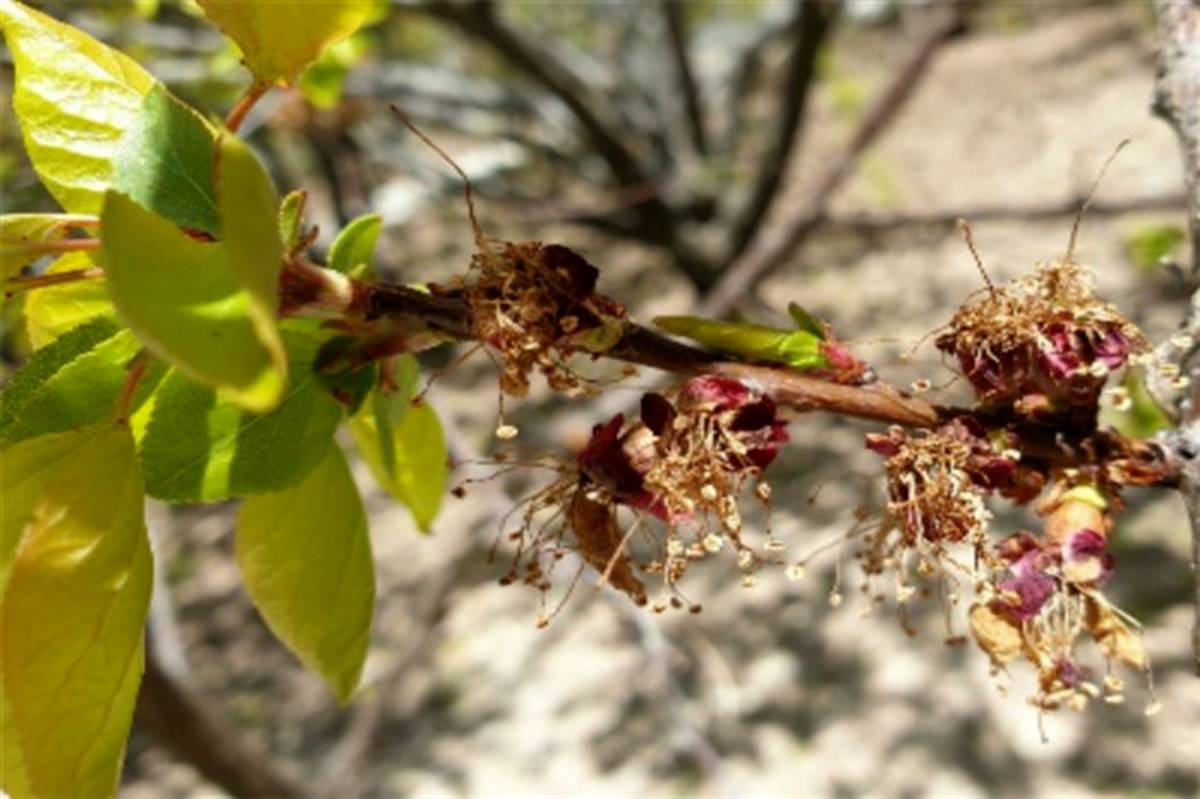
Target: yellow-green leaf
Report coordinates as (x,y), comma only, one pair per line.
(418,472)
(183,300)
(24,238)
(164,162)
(306,560)
(279,38)
(54,310)
(355,245)
(75,98)
(83,392)
(74,608)
(248,208)
(291,218)
(198,448)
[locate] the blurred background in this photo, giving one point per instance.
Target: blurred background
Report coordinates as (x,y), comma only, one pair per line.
(728,156)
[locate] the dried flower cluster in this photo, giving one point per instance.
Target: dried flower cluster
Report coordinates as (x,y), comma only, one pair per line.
(1043,343)
(535,304)
(936,482)
(1043,594)
(686,462)
(646,498)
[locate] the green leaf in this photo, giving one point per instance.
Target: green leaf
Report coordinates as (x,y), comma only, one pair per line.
(183,300)
(291,219)
(805,321)
(1150,244)
(321,83)
(165,162)
(799,349)
(306,561)
(355,245)
(391,406)
(279,38)
(48,362)
(75,98)
(416,449)
(83,392)
(347,378)
(24,238)
(199,448)
(75,604)
(250,231)
(54,310)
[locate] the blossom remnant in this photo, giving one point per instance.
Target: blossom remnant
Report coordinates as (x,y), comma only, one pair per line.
(1044,342)
(685,461)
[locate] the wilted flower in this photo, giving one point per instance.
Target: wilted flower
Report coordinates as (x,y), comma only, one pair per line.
(1043,595)
(535,304)
(685,461)
(937,481)
(1045,342)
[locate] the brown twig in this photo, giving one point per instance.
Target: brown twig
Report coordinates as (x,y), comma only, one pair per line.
(645,347)
(810,26)
(1177,100)
(772,251)
(133,378)
(19,284)
(237,114)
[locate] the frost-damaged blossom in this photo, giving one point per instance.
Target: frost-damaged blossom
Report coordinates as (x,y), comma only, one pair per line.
(1045,342)
(685,461)
(1043,594)
(937,481)
(535,304)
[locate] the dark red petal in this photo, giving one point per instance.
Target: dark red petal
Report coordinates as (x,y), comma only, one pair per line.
(754,416)
(724,392)
(657,412)
(578,276)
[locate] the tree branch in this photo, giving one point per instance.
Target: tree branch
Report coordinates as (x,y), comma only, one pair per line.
(645,347)
(759,261)
(673,12)
(882,223)
(810,25)
(184,724)
(792,390)
(1183,452)
(657,221)
(1177,100)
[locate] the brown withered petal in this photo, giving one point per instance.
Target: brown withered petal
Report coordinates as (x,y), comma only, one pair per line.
(599,539)
(997,635)
(1073,515)
(1113,636)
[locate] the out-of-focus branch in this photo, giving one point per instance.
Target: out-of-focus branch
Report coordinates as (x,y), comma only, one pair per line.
(1177,100)
(810,25)
(1177,97)
(674,13)
(882,223)
(479,20)
(657,222)
(775,249)
(184,724)
(744,80)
